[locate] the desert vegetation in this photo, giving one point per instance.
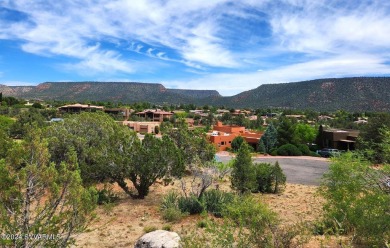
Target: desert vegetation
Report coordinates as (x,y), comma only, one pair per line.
(77,176)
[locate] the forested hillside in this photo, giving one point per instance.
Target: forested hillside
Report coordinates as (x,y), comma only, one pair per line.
(106,91)
(352,94)
(195,93)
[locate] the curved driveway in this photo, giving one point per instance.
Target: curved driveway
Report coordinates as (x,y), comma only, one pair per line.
(298,170)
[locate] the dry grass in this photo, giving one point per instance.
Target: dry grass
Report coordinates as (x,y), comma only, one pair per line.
(124,223)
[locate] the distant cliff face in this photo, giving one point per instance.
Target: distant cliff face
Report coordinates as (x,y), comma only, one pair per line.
(352,94)
(107,91)
(195,93)
(16,91)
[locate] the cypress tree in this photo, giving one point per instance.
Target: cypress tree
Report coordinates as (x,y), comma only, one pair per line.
(261,147)
(269,138)
(243,177)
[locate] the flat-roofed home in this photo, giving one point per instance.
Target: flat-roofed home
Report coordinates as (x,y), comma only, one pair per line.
(196,111)
(298,117)
(155,114)
(142,126)
(339,139)
(223,135)
(77,108)
(222,111)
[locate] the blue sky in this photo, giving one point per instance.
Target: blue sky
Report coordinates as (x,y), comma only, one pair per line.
(230,46)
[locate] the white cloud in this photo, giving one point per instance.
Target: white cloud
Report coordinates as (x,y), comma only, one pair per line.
(332,38)
(108,62)
(66,27)
(18,83)
(321,26)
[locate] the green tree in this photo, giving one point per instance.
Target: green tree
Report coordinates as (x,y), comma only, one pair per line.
(5,144)
(194,146)
(371,137)
(6,123)
(237,142)
(105,150)
(37,105)
(285,131)
(155,159)
(269,138)
(304,133)
(243,177)
(385,145)
(10,100)
(40,198)
(25,120)
(261,147)
(269,178)
(226,118)
(278,177)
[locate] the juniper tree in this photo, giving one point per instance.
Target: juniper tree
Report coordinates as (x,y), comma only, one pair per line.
(243,177)
(39,198)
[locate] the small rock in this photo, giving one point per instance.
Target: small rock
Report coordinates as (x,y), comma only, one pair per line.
(159,239)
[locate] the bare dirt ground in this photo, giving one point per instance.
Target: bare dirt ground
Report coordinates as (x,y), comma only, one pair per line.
(122,224)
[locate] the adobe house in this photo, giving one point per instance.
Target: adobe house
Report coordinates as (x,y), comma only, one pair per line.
(340,139)
(221,140)
(228,129)
(142,126)
(223,135)
(155,114)
(77,108)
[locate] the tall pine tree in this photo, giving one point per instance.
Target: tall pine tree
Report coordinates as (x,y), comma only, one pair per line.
(243,177)
(269,138)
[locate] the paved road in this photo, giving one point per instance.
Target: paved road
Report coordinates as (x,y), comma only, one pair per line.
(298,170)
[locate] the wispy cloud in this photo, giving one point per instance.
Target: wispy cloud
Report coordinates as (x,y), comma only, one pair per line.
(231,83)
(222,44)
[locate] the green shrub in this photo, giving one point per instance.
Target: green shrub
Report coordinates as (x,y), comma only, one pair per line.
(314,154)
(304,149)
(190,205)
(172,214)
(269,178)
(278,178)
(201,224)
(237,142)
(263,177)
(289,150)
(358,202)
(170,200)
(167,228)
(148,229)
(170,207)
(274,152)
(256,217)
(246,223)
(106,195)
(216,200)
